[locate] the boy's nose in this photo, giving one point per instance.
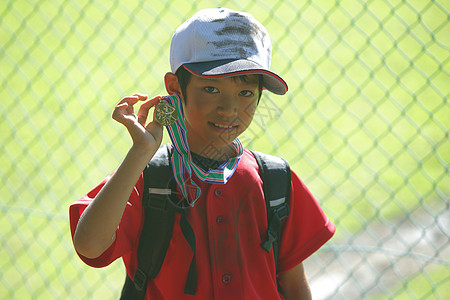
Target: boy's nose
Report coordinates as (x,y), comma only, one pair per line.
(227,106)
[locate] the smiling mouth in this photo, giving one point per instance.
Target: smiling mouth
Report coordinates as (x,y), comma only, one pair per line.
(223,126)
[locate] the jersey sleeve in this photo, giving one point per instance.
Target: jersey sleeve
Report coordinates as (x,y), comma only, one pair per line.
(306,228)
(127,233)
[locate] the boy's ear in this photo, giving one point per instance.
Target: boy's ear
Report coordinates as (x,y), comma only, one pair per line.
(172,85)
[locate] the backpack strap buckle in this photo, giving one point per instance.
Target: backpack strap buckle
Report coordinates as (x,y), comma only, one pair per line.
(156,201)
(273,231)
(267,244)
(281,211)
(140,279)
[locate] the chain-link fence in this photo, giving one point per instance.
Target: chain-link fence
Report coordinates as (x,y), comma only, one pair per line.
(365,125)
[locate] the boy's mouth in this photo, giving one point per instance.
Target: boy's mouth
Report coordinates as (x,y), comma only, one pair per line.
(222,126)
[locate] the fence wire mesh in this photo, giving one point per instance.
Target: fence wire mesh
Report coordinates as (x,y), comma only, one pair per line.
(365,125)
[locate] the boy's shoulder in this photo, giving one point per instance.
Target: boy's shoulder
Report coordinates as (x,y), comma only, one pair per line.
(269,160)
(269,163)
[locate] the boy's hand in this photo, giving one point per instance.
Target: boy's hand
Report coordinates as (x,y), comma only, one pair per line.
(146,135)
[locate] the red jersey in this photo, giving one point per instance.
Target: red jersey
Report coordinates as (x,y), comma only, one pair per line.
(230,222)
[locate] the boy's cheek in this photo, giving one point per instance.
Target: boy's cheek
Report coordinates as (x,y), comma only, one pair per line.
(249,112)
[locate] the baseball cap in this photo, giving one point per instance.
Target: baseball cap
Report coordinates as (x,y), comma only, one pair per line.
(220,42)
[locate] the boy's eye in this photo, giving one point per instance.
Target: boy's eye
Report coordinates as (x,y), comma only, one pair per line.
(246,93)
(211,90)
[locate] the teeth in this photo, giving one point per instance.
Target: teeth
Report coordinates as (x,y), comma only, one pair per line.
(223,126)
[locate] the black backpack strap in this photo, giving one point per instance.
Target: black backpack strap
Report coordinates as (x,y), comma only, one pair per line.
(158,223)
(276,176)
(190,287)
(160,194)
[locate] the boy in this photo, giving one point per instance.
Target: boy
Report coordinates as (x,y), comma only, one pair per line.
(220,63)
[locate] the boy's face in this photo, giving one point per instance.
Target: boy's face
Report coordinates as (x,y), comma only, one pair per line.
(217,111)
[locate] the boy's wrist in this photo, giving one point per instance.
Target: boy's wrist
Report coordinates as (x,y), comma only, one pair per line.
(143,150)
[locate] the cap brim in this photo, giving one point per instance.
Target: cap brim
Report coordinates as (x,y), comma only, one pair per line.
(232,67)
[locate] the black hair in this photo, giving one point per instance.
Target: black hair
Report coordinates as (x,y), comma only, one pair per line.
(184,76)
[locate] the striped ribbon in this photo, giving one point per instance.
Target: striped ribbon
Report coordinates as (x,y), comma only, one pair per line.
(182,165)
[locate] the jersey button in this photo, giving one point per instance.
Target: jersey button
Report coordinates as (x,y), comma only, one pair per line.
(220,220)
(218,192)
(226,278)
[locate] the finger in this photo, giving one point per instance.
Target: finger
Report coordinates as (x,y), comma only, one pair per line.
(141,96)
(145,107)
(132,100)
(119,111)
(121,107)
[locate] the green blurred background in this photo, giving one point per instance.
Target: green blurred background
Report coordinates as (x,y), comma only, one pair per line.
(365,124)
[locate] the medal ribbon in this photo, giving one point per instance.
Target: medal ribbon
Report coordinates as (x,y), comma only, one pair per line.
(182,165)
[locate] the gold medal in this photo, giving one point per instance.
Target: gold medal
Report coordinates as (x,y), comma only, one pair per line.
(165,114)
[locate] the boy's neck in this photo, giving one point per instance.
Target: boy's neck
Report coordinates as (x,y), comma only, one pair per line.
(215,153)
